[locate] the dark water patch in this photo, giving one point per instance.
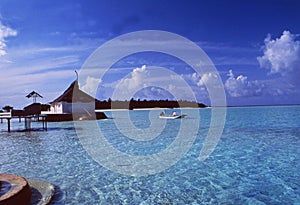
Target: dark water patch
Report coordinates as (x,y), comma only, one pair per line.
(58,197)
(4,187)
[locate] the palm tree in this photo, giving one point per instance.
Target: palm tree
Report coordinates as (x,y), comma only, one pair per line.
(7,108)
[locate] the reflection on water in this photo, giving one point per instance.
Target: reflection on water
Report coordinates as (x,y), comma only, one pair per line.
(4,187)
(255,162)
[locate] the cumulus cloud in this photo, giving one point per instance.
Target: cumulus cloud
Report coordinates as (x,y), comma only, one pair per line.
(135,81)
(201,81)
(240,86)
(91,85)
(281,55)
(152,83)
(4,33)
(207,79)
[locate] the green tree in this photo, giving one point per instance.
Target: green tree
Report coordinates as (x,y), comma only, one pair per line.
(7,108)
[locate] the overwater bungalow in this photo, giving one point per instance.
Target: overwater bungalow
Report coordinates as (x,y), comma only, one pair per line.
(74,104)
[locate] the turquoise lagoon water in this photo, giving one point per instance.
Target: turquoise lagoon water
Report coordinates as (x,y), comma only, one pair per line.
(256,161)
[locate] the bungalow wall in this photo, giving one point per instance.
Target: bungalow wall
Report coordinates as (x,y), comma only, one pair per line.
(78,107)
(56,108)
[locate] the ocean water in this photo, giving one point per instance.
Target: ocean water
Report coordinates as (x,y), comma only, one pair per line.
(256,161)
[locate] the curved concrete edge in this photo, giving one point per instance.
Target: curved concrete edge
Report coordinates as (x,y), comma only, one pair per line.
(42,191)
(19,192)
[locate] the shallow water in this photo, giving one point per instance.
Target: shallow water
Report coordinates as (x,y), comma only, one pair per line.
(255,162)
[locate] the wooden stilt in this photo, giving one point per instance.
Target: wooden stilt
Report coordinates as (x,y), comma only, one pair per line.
(46,126)
(8,124)
(27,122)
(44,122)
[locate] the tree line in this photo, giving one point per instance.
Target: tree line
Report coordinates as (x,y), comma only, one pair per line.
(134,104)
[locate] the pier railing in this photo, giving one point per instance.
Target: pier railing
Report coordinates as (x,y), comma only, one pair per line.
(5,115)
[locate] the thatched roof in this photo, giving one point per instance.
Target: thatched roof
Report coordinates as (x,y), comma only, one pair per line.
(80,95)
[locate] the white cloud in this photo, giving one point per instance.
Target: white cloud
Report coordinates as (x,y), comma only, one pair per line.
(91,85)
(207,79)
(4,33)
(240,86)
(141,82)
(136,80)
(281,55)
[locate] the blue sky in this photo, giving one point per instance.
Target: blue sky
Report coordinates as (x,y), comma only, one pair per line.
(255,46)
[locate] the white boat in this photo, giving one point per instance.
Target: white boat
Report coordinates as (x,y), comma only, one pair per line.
(172,117)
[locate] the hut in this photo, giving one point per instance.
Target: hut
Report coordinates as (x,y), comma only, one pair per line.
(34,95)
(76,103)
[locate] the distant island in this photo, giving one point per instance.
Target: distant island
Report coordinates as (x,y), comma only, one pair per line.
(138,104)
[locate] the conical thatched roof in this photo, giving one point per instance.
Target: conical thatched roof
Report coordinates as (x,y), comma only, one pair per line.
(80,95)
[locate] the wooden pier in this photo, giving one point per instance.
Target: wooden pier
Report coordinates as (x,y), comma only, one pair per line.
(8,116)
